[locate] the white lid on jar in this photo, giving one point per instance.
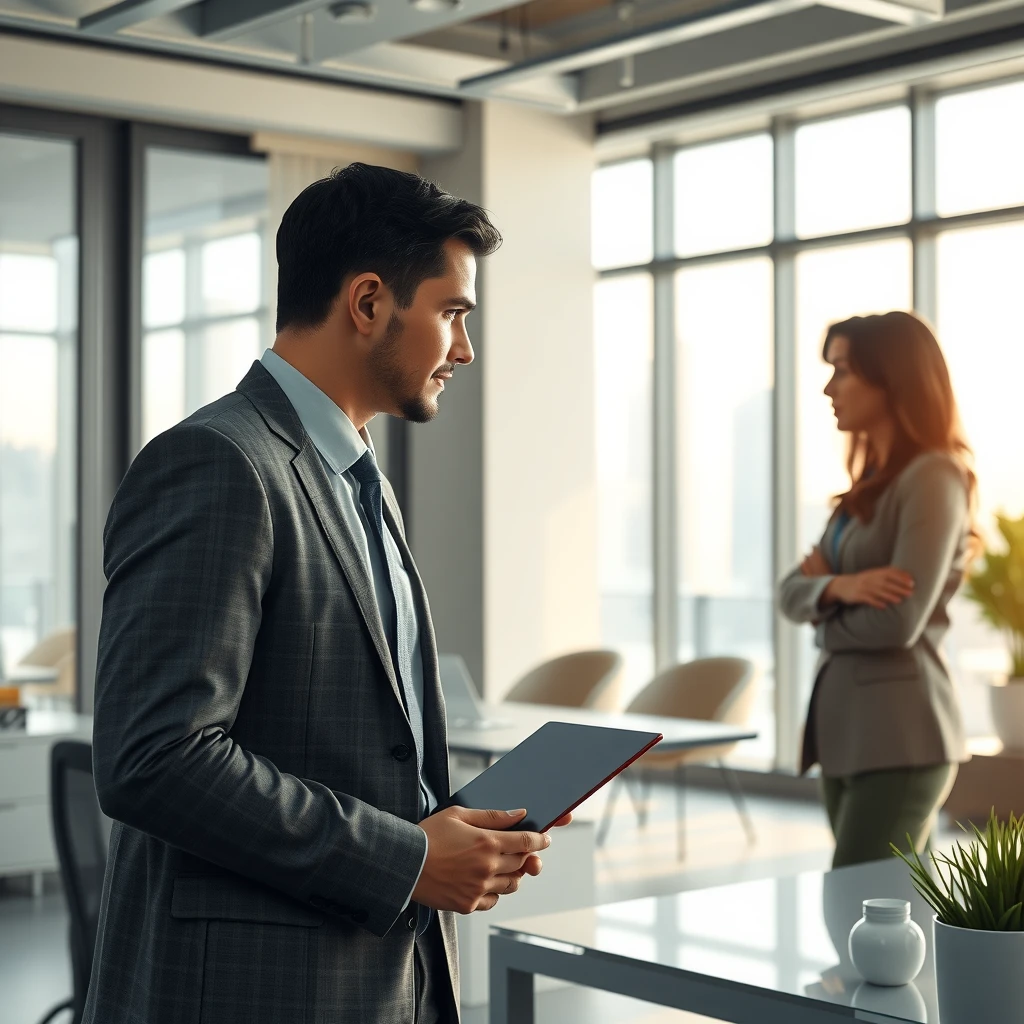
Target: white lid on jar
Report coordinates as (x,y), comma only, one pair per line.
(887,911)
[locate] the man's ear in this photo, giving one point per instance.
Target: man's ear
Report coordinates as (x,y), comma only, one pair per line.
(365,296)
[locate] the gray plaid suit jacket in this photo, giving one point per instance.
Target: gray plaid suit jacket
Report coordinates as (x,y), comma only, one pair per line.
(251,742)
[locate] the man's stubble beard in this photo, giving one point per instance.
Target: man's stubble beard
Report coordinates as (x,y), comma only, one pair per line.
(386,367)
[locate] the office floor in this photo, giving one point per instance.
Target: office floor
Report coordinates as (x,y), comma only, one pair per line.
(792,836)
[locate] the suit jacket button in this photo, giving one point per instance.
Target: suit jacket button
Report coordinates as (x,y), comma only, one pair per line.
(401,752)
(411,922)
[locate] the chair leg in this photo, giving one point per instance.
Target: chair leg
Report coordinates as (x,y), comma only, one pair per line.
(609,807)
(640,795)
(733,785)
(68,1004)
(680,779)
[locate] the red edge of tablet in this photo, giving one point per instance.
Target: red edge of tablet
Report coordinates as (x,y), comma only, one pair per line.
(618,771)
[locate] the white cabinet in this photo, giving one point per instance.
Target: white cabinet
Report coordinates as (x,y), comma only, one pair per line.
(26,835)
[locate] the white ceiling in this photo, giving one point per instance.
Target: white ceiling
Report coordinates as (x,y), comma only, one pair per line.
(615,58)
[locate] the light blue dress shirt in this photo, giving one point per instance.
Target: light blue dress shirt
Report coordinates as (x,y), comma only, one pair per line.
(340,446)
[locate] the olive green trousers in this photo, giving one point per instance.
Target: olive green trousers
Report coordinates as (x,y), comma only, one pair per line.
(870,810)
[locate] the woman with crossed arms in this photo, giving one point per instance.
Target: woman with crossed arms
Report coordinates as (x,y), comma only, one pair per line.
(884,721)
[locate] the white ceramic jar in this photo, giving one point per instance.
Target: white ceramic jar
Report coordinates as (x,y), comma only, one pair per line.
(885,945)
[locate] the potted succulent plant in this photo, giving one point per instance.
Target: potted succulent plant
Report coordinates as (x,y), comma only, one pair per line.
(977,893)
(997,588)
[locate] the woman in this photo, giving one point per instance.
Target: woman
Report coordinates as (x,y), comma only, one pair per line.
(883,722)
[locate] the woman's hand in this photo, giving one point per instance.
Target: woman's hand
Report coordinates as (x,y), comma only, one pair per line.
(815,565)
(877,588)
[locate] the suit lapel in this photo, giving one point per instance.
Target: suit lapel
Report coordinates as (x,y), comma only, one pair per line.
(318,489)
(434,716)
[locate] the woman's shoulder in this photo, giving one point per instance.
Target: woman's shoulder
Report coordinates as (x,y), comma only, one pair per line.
(935,470)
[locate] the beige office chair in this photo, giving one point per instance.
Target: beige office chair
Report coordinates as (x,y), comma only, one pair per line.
(583,679)
(709,690)
(56,650)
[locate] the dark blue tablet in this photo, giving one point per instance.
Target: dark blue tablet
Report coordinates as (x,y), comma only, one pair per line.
(554,770)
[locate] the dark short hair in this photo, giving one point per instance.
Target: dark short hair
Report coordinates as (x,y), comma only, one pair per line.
(367,219)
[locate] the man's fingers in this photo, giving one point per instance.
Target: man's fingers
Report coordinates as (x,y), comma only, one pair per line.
(533,865)
(493,819)
(563,820)
(522,842)
(487,901)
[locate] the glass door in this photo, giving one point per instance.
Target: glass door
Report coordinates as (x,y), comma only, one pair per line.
(39,283)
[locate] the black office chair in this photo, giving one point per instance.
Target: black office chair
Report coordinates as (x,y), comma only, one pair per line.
(80,832)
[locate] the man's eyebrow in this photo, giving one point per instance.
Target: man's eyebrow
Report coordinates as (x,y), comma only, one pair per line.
(460,300)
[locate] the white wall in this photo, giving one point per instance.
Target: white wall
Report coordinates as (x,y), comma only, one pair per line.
(540,525)
(531,428)
(120,83)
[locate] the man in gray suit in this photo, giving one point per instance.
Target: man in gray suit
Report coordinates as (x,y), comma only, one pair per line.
(269,728)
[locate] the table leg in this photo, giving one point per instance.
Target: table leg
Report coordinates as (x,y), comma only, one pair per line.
(511,994)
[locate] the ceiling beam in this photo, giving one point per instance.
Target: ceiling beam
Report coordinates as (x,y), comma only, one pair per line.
(721,56)
(726,18)
(128,13)
(654,37)
(222,19)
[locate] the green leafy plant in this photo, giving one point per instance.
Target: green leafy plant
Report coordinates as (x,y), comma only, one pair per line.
(980,886)
(997,588)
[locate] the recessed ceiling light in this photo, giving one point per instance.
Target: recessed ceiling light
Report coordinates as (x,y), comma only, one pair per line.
(436,6)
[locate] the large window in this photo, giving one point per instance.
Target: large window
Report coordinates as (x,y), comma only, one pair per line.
(742,274)
(38,414)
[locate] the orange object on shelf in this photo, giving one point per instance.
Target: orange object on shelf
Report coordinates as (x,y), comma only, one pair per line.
(10,696)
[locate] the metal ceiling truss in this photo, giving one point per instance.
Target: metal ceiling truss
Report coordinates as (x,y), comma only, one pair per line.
(445,51)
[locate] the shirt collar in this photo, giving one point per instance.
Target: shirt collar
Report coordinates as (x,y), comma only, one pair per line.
(333,433)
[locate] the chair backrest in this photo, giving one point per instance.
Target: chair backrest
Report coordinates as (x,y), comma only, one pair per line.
(49,651)
(81,834)
(582,679)
(708,689)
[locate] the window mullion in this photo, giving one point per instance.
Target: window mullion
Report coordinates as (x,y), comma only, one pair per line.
(924,185)
(784,459)
(665,531)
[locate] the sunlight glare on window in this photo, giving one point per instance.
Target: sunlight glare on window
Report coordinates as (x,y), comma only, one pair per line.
(853,172)
(723,195)
(622,220)
(28,292)
(232,274)
(163,288)
(979,149)
(28,393)
(163,382)
(623,343)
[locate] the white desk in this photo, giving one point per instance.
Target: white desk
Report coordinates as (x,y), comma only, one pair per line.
(523,719)
(767,952)
(26,838)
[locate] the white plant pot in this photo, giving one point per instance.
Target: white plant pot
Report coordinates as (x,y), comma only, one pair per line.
(1007,703)
(979,975)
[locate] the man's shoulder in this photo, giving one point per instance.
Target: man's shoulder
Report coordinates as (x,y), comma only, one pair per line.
(231,420)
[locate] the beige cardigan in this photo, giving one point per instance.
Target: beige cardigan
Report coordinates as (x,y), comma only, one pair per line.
(883,696)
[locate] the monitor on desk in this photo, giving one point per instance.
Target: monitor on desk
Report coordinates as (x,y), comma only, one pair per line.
(465,710)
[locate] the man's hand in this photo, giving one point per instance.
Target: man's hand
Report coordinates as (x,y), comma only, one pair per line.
(877,588)
(472,858)
(815,565)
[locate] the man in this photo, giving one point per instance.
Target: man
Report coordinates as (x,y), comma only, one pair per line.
(269,727)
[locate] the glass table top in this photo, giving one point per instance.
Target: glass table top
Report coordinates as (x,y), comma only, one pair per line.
(787,935)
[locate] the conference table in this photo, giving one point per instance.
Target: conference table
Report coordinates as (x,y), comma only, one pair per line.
(517,721)
(772,951)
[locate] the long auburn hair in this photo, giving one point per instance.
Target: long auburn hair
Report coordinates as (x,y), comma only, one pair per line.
(898,353)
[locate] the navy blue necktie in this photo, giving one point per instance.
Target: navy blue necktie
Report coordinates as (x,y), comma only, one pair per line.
(368,474)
